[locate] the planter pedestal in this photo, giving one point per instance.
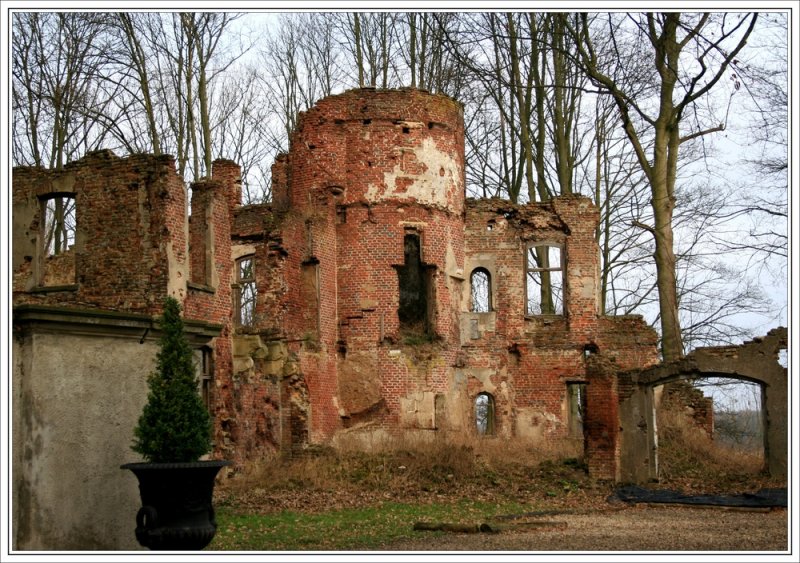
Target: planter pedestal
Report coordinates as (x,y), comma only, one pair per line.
(177,511)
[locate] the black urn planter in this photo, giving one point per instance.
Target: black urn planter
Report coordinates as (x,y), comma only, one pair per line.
(177,511)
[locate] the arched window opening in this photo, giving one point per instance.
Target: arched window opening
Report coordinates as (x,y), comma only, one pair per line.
(484,414)
(481,291)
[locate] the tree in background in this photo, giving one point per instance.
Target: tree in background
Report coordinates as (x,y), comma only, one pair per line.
(58,104)
(688,54)
(553,104)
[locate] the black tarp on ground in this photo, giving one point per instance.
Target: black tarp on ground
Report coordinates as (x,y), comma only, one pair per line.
(765,498)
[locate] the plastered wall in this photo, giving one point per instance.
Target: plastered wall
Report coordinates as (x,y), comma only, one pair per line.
(73,419)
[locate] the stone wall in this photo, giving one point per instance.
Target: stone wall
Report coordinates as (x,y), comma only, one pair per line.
(755,361)
(79,385)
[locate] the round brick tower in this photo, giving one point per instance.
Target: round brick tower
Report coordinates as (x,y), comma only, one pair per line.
(378,177)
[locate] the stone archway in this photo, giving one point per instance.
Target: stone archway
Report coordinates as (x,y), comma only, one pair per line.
(755,361)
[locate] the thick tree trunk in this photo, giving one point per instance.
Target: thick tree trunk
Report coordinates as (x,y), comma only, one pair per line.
(671,340)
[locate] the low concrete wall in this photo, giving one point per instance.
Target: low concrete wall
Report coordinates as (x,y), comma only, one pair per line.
(77,401)
(79,385)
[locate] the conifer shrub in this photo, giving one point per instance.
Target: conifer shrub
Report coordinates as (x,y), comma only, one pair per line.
(174,425)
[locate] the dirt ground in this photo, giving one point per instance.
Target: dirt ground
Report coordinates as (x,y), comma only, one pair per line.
(574,513)
(637,528)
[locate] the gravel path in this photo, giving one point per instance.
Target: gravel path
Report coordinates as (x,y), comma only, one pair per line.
(636,528)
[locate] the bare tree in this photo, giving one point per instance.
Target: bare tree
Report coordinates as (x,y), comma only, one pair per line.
(713,42)
(58,62)
(135,56)
(241,130)
(205,31)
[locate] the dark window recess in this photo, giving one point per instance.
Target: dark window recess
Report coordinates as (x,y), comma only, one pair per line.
(310,295)
(413,285)
(206,375)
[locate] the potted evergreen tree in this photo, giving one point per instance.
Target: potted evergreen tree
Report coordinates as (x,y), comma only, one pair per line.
(172,434)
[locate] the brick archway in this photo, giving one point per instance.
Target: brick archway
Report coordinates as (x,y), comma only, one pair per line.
(755,361)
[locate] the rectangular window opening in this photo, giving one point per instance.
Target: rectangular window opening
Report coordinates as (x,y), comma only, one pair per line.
(576,409)
(245,291)
(201,245)
(206,375)
(58,231)
(544,281)
(311,295)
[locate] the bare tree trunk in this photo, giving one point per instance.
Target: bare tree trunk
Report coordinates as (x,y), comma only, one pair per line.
(661,168)
(359,55)
(524,114)
(412,49)
(565,102)
(138,59)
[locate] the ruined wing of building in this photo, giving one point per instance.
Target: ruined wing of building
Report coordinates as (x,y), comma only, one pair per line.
(369,301)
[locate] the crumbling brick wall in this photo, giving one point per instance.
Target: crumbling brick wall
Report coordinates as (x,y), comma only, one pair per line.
(365,169)
(134,245)
(682,398)
(372,180)
(362,263)
(130,244)
(538,355)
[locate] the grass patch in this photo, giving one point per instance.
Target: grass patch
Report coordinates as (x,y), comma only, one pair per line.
(347,499)
(367,528)
(350,500)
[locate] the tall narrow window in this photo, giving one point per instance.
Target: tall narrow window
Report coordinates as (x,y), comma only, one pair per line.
(59,224)
(309,292)
(413,309)
(484,414)
(544,280)
(245,291)
(576,405)
(206,375)
(57,236)
(480,291)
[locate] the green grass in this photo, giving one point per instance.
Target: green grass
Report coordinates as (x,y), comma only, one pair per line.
(344,530)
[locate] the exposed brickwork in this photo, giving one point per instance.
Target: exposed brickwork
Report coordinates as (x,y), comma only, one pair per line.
(131,216)
(681,397)
(369,174)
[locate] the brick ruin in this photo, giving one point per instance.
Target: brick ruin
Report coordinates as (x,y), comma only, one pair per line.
(370,300)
